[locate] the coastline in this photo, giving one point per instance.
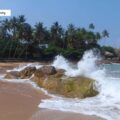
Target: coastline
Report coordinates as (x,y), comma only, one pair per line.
(20,101)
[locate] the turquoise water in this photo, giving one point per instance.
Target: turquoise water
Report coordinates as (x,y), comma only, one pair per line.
(112,67)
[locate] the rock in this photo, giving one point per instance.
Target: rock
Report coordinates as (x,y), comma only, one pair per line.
(60,73)
(80,87)
(45,71)
(48,70)
(27,72)
(12,75)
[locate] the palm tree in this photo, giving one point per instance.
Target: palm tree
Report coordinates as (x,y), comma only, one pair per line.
(14,26)
(98,36)
(91,26)
(57,33)
(39,33)
(70,35)
(20,27)
(21,19)
(105,33)
(5,29)
(26,37)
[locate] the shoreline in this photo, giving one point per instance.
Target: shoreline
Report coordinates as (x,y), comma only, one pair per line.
(19,101)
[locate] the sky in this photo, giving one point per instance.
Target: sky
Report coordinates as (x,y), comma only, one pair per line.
(105,14)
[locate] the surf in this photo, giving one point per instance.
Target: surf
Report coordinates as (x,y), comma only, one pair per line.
(106,104)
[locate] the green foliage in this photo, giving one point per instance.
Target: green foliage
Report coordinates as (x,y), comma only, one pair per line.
(73,53)
(71,42)
(108,49)
(50,52)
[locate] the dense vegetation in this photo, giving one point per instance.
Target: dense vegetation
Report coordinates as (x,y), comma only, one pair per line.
(18,39)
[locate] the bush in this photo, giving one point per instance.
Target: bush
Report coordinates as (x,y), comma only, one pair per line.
(73,54)
(50,52)
(108,49)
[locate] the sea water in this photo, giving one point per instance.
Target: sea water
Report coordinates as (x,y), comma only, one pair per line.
(106,104)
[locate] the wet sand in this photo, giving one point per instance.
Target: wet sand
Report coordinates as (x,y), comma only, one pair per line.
(19,101)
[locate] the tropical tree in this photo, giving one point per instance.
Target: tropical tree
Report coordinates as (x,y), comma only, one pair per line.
(105,33)
(39,33)
(91,26)
(56,33)
(71,30)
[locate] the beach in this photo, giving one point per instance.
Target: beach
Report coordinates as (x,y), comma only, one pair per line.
(19,101)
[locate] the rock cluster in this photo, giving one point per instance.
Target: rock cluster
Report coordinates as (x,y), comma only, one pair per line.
(54,80)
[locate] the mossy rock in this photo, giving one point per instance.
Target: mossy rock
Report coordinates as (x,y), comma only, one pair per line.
(72,87)
(81,87)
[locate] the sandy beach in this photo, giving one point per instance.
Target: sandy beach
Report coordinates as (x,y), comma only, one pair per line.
(19,101)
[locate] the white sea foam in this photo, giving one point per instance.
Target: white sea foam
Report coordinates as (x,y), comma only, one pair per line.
(23,66)
(106,104)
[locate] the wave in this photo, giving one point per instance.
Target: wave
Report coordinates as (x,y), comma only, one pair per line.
(106,104)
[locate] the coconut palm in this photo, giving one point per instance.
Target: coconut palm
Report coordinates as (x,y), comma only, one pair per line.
(91,26)
(57,33)
(105,33)
(71,35)
(39,33)
(98,36)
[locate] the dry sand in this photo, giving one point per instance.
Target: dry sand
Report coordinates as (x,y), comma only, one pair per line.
(19,101)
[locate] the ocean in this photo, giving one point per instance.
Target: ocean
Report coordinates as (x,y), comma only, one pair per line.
(106,104)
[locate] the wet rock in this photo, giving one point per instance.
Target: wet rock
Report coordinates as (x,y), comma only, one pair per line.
(59,73)
(45,71)
(27,72)
(80,87)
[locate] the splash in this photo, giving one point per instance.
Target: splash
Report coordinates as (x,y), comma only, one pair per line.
(84,67)
(106,104)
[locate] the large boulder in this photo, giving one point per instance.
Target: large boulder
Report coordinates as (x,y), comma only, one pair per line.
(27,72)
(80,87)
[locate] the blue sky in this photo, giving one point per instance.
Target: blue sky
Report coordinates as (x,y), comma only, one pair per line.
(105,14)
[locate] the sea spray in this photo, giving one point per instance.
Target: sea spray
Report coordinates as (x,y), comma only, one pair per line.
(61,63)
(83,68)
(106,104)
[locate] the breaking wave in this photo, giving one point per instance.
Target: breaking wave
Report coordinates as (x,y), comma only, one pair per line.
(106,104)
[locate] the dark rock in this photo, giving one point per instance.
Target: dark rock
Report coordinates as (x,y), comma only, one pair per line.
(45,71)
(27,72)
